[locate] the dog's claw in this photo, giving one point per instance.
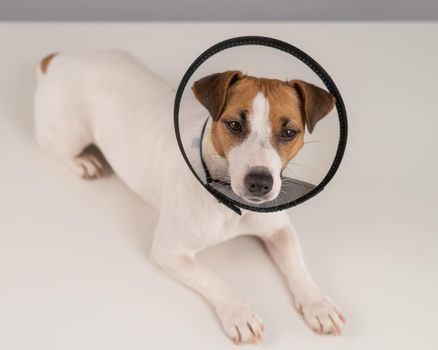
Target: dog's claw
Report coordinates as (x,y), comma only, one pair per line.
(236,340)
(300,310)
(341,316)
(321,314)
(240,323)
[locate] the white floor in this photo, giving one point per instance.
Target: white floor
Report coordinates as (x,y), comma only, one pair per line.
(74,268)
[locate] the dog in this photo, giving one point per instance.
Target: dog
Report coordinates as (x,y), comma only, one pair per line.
(105,111)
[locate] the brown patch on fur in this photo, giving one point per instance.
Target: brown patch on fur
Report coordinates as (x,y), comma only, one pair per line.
(211,91)
(46,61)
(284,112)
(316,103)
(238,107)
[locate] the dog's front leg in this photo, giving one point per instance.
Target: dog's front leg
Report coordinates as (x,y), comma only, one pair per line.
(238,319)
(318,310)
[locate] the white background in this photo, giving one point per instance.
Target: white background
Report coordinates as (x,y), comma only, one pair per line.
(74,268)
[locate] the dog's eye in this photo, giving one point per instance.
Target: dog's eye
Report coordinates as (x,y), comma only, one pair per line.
(288,134)
(234,126)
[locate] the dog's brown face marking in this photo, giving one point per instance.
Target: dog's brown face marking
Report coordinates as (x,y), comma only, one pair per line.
(286,123)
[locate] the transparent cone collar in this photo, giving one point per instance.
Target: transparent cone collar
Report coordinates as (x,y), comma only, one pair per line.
(260,124)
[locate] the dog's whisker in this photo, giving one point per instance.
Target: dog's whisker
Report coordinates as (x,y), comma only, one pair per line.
(301,165)
(213,157)
(293,173)
(320,140)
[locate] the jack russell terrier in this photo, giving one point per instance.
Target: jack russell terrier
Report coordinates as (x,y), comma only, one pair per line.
(106,107)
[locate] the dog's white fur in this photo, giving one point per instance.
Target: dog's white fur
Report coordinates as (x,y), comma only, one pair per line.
(110,99)
(255,151)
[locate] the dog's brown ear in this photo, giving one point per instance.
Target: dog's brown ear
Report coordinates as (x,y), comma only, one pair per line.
(316,103)
(211,90)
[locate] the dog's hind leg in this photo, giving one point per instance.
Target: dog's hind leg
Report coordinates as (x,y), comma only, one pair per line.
(67,136)
(90,163)
(63,125)
(81,155)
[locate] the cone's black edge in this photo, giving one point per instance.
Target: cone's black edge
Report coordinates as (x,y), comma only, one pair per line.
(314,66)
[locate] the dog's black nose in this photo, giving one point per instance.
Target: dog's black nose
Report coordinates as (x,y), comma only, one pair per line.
(259,181)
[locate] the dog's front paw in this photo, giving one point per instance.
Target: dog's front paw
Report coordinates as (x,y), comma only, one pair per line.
(240,322)
(320,313)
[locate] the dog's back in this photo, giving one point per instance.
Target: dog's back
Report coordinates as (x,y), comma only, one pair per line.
(108,99)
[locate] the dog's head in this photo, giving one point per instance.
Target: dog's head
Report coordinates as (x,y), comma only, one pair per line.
(258,126)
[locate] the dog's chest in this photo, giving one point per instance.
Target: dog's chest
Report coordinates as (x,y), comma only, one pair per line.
(224,227)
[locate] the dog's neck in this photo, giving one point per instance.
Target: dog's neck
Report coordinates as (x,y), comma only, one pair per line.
(216,164)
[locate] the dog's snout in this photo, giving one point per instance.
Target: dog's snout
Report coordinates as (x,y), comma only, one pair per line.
(259,181)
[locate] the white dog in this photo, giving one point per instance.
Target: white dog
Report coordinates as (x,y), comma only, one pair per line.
(107,107)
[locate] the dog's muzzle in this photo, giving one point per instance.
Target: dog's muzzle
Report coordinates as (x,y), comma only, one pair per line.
(258,181)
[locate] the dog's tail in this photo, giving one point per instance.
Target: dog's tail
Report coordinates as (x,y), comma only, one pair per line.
(43,65)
